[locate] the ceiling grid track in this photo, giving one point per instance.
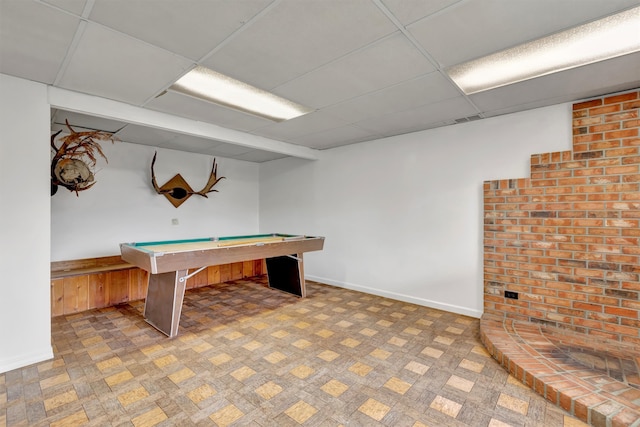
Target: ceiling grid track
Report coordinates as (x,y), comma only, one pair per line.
(421,49)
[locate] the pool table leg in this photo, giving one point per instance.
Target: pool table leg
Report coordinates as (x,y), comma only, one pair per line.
(163,305)
(286,273)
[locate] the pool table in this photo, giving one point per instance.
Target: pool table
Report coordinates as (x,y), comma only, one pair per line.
(169,262)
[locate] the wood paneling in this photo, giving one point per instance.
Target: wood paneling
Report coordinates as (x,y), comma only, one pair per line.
(57,297)
(118,287)
(89,283)
(98,290)
(236,270)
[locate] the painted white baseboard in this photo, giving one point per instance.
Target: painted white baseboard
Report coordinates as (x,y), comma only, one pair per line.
(23,360)
(465,311)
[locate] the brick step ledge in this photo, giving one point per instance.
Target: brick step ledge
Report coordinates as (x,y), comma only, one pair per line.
(534,354)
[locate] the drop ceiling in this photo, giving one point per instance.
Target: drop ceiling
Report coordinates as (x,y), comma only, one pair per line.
(369,68)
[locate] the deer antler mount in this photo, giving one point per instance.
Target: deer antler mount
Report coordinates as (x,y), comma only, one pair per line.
(177,190)
(74,159)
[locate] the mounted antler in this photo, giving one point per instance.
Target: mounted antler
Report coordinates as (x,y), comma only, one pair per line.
(67,167)
(213,180)
(177,190)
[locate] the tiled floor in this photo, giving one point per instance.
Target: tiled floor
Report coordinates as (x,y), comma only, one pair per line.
(594,379)
(251,356)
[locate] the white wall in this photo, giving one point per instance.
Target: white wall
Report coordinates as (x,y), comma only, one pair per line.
(25,307)
(123,207)
(402,216)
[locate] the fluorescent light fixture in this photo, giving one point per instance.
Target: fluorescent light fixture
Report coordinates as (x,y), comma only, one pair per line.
(212,86)
(607,38)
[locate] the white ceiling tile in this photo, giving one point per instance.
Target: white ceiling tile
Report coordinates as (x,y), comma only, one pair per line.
(74,6)
(384,63)
(419,118)
(34,39)
(196,109)
(189,28)
(597,79)
(347,59)
(109,64)
(408,11)
(258,156)
(163,138)
(303,125)
(295,37)
(476,28)
(337,136)
(230,150)
(87,122)
(401,97)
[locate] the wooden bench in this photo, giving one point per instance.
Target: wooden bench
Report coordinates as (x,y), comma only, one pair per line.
(84,284)
(80,267)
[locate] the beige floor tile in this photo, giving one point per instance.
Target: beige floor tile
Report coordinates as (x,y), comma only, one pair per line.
(328,355)
(513,403)
(60,399)
(424,322)
(344,324)
(226,416)
(397,385)
(374,409)
(301,412)
(335,388)
(76,419)
(381,354)
(302,371)
(432,352)
(167,360)
(497,423)
(201,348)
(350,342)
(572,422)
(201,393)
(368,332)
(252,345)
(234,335)
(397,341)
(150,418)
(269,390)
(109,363)
(460,383)
(119,378)
(471,365)
(302,344)
(280,334)
(360,369)
(181,375)
(226,366)
(453,330)
(54,381)
(133,396)
(219,359)
(446,406)
(416,367)
(444,340)
(275,357)
(243,373)
(324,333)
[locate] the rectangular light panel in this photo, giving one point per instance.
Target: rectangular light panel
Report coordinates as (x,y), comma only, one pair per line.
(212,86)
(607,38)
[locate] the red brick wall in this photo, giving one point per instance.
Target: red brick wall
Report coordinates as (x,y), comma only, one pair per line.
(567,239)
